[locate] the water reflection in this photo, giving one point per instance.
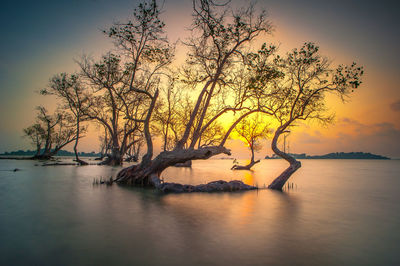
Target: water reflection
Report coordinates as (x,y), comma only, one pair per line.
(248,178)
(326,221)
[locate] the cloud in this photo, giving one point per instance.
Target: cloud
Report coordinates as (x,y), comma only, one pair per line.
(395,106)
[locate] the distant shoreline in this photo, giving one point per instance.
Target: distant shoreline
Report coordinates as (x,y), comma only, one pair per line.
(30,153)
(336,155)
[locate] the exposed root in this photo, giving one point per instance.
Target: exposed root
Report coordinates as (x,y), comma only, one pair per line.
(246,167)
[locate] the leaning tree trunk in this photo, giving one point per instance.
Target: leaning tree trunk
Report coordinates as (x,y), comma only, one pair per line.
(185,164)
(116,156)
(148,173)
(249,166)
(113,159)
(245,167)
(280,181)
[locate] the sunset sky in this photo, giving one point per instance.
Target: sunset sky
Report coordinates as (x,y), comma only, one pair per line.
(42,38)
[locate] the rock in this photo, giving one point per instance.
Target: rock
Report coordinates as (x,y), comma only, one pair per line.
(215,186)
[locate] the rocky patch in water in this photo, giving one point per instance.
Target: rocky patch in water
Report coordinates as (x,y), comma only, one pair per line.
(215,186)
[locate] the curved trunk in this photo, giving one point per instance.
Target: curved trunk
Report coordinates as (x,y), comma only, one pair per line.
(249,166)
(146,160)
(245,167)
(185,164)
(148,173)
(280,181)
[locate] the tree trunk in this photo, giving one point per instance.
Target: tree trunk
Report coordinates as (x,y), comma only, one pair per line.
(185,164)
(46,154)
(148,173)
(116,157)
(280,181)
(250,165)
(43,156)
(136,152)
(79,161)
(38,148)
(113,159)
(245,167)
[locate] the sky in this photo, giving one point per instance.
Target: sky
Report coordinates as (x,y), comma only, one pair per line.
(42,38)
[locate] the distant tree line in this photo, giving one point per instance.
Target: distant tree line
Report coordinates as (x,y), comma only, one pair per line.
(336,155)
(59,153)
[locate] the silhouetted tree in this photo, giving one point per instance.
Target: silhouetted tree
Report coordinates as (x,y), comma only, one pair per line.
(36,133)
(111,103)
(251,131)
(131,90)
(306,78)
(75,99)
(56,131)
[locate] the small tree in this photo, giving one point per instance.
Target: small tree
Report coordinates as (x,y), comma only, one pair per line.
(55,131)
(126,87)
(36,133)
(111,104)
(251,131)
(73,95)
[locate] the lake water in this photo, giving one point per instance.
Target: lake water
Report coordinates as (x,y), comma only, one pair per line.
(339,212)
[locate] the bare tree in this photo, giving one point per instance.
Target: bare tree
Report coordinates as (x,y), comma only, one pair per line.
(36,134)
(73,95)
(306,78)
(134,89)
(219,36)
(251,131)
(55,131)
(110,103)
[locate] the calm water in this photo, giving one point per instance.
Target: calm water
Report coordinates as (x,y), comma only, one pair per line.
(340,212)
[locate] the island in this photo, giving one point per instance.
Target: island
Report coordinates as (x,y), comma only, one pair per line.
(335,155)
(59,153)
